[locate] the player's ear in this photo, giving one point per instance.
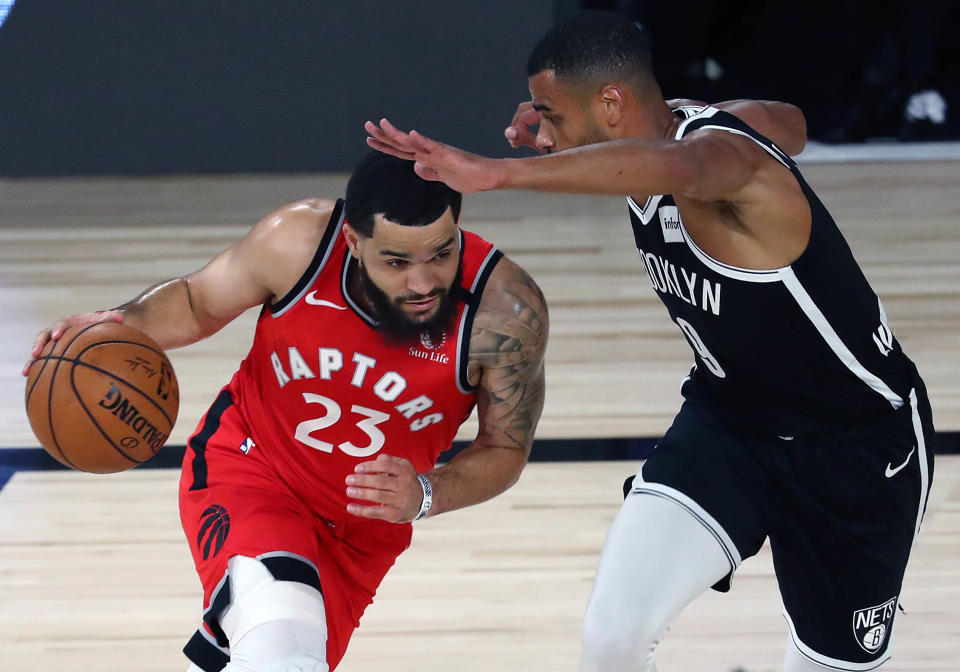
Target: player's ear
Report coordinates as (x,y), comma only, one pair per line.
(610,104)
(353,239)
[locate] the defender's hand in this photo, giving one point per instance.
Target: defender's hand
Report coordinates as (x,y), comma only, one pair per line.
(56,331)
(389,481)
(518,133)
(463,171)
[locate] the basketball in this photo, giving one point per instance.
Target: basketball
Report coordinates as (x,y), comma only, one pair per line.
(102,398)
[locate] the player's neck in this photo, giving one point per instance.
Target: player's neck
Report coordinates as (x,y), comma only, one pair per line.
(654,121)
(354,286)
(664,122)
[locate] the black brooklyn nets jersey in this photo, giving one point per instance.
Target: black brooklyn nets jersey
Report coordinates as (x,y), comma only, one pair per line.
(798,350)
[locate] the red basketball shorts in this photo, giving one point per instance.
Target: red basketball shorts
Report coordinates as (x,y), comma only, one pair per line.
(232,502)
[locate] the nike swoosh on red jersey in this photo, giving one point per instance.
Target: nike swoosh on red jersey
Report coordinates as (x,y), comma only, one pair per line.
(312,299)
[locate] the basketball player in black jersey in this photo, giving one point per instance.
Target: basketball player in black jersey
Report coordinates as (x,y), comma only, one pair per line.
(803,421)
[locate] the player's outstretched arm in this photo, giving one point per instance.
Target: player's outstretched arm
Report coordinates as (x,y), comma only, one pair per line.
(183,310)
(705,165)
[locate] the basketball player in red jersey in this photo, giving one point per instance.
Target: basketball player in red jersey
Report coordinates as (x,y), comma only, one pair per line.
(383,325)
(801,404)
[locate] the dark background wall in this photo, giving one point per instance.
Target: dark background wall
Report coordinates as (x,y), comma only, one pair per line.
(853,66)
(193,86)
(228,86)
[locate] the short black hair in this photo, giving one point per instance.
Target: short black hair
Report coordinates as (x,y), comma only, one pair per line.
(384,184)
(595,46)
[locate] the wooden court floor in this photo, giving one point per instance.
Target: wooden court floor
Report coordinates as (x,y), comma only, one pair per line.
(95,575)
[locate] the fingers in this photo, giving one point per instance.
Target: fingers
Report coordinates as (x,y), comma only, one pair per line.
(391,483)
(388,134)
(60,326)
(387,138)
(389,149)
(518,133)
(42,339)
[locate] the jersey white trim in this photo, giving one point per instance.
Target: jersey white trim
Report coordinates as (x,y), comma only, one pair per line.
(833,340)
(834,663)
(645,212)
(690,110)
(483,265)
(705,113)
(735,272)
(709,522)
(921,458)
(772,151)
(463,339)
(323,264)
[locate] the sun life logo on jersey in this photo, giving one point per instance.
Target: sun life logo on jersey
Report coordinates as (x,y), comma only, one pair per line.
(431,348)
(428,343)
(872,625)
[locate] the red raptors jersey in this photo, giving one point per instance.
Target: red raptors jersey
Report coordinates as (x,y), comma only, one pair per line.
(321,390)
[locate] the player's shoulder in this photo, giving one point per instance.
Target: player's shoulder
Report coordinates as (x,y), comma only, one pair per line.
(281,245)
(302,216)
(513,300)
(293,228)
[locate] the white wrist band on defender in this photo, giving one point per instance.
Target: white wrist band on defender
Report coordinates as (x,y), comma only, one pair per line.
(427,496)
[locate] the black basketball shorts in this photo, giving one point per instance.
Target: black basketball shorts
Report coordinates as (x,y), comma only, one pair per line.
(841,514)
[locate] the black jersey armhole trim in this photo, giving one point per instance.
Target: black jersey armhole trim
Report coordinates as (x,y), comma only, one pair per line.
(310,274)
(472,299)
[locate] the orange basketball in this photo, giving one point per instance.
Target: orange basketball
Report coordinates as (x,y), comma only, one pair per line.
(102,398)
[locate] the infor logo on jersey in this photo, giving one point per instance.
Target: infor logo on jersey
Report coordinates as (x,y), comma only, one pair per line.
(670,224)
(871,626)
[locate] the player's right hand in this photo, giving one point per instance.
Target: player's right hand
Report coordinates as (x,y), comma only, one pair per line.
(64,323)
(518,133)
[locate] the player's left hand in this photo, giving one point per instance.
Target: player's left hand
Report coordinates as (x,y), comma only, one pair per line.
(390,482)
(463,171)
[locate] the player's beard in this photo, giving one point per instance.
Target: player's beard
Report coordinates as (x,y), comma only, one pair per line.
(395,325)
(592,134)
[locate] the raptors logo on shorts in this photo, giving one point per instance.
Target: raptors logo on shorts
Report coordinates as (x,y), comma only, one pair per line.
(214,528)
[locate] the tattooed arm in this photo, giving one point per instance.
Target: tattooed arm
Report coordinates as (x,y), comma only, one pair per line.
(506,363)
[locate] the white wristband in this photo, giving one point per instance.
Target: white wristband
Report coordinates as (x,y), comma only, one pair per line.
(427,496)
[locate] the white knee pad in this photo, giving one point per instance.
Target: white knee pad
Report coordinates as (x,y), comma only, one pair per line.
(257,597)
(272,626)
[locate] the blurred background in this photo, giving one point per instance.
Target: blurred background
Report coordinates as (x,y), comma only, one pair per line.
(140,138)
(239,86)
